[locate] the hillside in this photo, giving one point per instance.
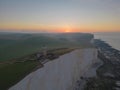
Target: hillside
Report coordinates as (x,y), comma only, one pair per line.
(15,45)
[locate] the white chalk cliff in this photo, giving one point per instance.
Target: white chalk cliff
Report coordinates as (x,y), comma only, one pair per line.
(61,73)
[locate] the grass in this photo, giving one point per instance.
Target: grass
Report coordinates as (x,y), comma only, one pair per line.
(19,45)
(26,47)
(63,51)
(15,46)
(10,74)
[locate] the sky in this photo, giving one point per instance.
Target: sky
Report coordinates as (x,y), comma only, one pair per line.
(60,15)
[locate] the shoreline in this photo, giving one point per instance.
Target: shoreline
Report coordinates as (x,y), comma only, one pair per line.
(91,72)
(112,39)
(58,69)
(105,75)
(110,56)
(108,74)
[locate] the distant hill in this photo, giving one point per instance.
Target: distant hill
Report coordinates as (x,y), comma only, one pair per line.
(15,45)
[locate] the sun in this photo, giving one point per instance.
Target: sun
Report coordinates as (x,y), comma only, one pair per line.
(67,31)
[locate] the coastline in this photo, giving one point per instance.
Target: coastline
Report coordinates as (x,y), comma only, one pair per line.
(95,74)
(63,72)
(108,74)
(112,38)
(104,73)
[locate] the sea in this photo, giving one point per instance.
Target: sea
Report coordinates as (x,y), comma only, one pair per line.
(112,38)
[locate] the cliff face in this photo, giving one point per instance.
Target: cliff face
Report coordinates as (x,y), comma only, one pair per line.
(59,74)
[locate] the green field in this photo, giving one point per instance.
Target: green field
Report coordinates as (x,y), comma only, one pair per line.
(12,71)
(16,50)
(10,74)
(18,45)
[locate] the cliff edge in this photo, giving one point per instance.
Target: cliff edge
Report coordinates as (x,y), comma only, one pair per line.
(61,73)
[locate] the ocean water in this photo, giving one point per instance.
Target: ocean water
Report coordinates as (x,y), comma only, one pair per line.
(112,39)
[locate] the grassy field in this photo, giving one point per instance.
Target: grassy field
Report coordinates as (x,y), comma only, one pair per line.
(10,74)
(13,71)
(19,48)
(14,47)
(18,45)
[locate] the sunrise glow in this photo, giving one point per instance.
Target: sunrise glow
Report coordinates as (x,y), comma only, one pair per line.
(60,16)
